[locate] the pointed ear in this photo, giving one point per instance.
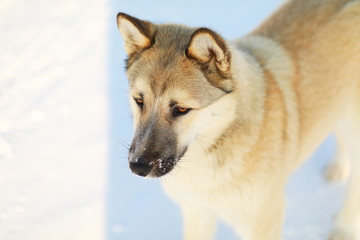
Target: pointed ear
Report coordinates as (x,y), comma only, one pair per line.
(206,45)
(210,50)
(137,34)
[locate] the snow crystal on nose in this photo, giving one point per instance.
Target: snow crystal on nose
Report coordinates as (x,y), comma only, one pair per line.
(160,162)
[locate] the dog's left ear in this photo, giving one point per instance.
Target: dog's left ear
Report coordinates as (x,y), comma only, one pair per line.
(210,50)
(138,34)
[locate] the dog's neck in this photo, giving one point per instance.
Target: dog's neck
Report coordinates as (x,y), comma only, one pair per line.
(236,116)
(252,59)
(278,72)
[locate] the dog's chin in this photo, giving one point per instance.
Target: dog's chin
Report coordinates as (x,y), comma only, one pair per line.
(161,171)
(163,167)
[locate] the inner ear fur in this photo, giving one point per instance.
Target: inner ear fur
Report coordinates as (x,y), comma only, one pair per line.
(137,34)
(210,51)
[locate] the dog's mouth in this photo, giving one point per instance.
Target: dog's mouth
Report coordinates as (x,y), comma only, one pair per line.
(153,168)
(163,167)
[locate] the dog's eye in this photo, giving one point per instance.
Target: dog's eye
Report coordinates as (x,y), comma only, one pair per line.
(139,102)
(178,111)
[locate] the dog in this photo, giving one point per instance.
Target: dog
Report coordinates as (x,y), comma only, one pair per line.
(224,124)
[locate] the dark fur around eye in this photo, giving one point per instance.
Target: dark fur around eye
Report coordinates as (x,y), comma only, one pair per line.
(139,102)
(179,111)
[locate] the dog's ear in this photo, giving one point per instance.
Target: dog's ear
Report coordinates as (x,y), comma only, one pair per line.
(209,49)
(137,34)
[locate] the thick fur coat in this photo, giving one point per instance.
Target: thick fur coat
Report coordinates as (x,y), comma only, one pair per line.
(224,124)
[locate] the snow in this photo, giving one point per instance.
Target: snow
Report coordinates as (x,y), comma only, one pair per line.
(65,125)
(53,119)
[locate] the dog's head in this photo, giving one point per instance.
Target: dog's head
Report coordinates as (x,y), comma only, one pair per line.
(176,74)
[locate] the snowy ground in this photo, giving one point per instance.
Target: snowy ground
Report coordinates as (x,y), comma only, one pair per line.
(53,119)
(64,119)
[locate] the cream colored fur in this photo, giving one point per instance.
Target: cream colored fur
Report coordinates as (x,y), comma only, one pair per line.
(248,191)
(296,79)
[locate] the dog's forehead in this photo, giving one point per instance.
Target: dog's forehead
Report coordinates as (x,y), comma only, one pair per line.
(167,92)
(164,70)
(174,78)
(194,92)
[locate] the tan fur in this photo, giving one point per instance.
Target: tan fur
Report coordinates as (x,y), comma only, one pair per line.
(258,107)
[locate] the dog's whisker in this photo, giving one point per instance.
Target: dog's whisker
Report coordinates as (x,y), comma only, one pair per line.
(125,145)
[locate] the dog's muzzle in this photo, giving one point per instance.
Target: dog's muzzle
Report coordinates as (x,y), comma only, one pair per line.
(152,168)
(153,151)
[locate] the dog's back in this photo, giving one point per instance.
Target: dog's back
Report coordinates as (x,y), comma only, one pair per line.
(322,38)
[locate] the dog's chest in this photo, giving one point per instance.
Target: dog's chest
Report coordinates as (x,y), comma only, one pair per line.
(200,182)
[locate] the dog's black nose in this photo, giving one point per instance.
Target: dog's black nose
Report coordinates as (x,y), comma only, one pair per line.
(140,168)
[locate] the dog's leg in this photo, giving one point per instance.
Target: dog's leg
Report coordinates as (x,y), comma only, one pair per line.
(269,223)
(265,222)
(338,168)
(347,225)
(199,224)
